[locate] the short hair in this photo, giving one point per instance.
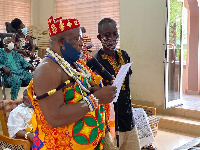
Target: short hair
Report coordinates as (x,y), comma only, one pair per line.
(103,21)
(16,23)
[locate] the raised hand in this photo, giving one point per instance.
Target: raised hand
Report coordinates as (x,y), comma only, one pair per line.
(106,94)
(94,87)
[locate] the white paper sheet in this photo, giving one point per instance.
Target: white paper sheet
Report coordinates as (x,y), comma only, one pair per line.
(120,78)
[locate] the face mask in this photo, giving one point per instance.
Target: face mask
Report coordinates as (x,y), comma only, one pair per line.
(108,43)
(70,54)
(10,46)
(24,31)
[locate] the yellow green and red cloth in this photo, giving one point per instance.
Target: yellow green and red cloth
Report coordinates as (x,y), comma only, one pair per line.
(88,133)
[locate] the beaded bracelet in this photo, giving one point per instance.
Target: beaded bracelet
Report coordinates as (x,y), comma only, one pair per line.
(92,101)
(26,135)
(88,103)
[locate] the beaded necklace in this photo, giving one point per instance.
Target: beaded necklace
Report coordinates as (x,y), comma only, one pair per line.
(71,71)
(90,99)
(113,61)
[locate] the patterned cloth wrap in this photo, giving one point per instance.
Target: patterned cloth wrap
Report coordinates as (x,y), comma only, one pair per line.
(22,43)
(88,133)
(18,68)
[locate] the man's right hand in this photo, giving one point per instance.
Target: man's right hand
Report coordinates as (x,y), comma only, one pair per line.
(106,94)
(7,71)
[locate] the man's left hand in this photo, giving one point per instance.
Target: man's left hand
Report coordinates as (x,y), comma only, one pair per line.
(94,87)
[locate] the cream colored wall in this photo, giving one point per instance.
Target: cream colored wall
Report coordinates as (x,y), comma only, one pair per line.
(199,52)
(41,11)
(142,35)
(34,12)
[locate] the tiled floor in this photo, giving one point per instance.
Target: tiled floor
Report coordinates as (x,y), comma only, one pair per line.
(191,102)
(169,140)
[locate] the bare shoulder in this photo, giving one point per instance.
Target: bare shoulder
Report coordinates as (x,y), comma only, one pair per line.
(47,76)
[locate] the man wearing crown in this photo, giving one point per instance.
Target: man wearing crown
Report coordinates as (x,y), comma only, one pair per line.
(67,101)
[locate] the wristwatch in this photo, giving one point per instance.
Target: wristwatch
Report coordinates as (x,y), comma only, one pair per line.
(26,135)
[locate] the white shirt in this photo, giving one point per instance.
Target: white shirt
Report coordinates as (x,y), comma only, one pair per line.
(18,119)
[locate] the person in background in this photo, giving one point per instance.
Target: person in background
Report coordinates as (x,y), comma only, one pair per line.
(19,120)
(24,43)
(112,59)
(15,68)
(65,94)
(87,44)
